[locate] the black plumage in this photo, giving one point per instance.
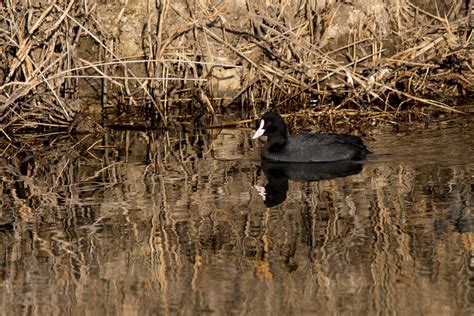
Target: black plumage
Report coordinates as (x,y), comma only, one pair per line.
(306,147)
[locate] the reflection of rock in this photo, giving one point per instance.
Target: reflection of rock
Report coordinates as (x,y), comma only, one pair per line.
(228,145)
(278,174)
(214,235)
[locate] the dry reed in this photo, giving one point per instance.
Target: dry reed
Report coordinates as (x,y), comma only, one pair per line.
(282,58)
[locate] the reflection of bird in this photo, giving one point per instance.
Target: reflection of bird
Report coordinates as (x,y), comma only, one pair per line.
(279,173)
(306,147)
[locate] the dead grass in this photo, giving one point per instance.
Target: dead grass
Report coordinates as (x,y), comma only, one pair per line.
(282,58)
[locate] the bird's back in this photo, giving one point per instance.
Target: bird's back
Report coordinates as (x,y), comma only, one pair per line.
(318,148)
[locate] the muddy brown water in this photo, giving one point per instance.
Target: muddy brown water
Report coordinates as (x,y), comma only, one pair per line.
(175,223)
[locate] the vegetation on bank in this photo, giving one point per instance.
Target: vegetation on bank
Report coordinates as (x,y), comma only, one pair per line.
(198,60)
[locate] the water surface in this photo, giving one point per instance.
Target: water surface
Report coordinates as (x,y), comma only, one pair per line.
(165,223)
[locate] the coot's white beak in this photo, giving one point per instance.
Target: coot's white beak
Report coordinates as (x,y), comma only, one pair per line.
(259,131)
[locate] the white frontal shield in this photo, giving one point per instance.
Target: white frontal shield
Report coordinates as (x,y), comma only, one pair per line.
(260,130)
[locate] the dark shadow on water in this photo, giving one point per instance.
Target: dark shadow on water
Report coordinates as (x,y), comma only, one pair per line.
(278,174)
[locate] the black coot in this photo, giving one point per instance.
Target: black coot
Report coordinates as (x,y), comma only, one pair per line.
(306,147)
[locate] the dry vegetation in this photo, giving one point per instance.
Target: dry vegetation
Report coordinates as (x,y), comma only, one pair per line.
(70,212)
(266,56)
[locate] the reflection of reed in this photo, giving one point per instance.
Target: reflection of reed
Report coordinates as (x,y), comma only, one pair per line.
(186,232)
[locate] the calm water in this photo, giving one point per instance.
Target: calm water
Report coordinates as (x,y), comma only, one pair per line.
(175,223)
